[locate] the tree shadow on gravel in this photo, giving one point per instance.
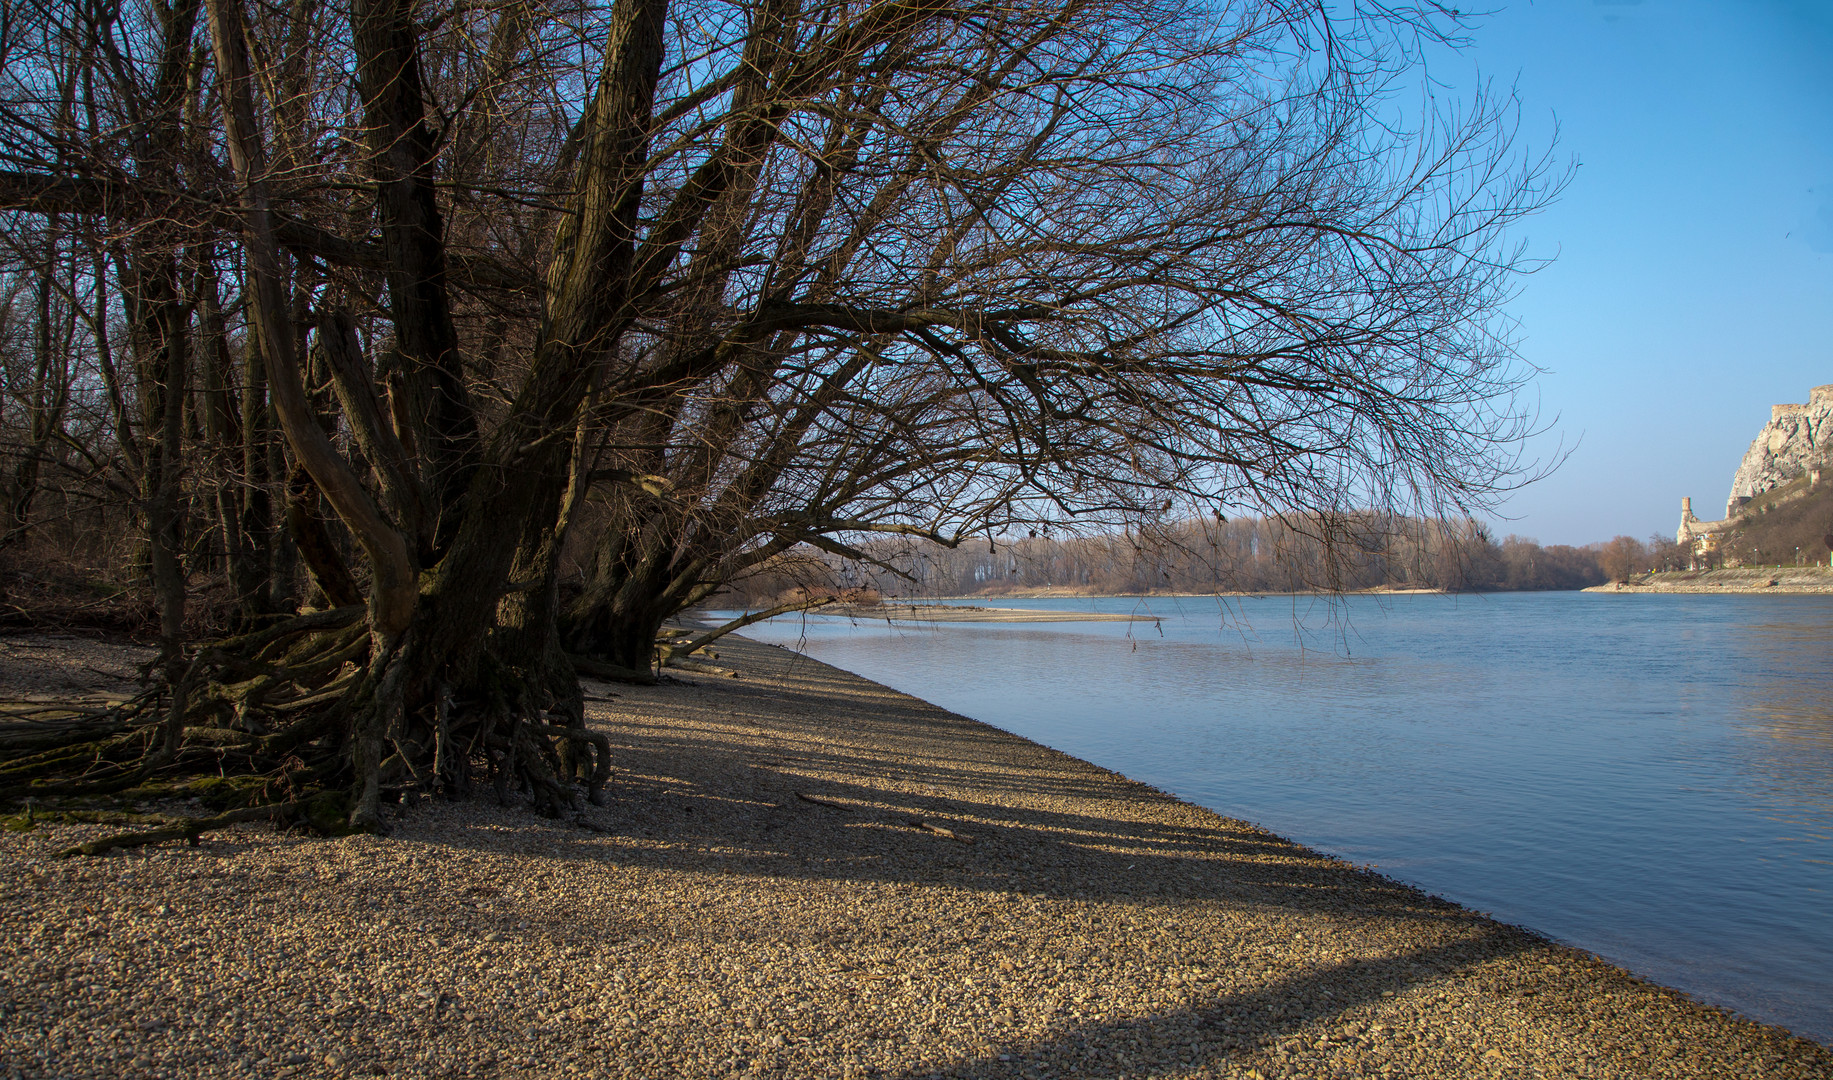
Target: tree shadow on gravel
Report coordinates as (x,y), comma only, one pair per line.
(1228,1029)
(1039,820)
(1240,1019)
(801,802)
(1123,868)
(752,785)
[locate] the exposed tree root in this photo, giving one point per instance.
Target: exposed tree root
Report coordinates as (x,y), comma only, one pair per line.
(187,831)
(604,669)
(313,721)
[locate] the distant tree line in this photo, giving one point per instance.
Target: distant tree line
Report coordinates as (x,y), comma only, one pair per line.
(1249,554)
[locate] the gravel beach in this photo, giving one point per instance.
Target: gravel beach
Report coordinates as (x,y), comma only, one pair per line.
(1761,580)
(805,874)
(946,613)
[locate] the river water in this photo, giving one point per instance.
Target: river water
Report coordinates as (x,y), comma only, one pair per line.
(1646,777)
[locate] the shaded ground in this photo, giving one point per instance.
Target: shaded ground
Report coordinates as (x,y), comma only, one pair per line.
(69,667)
(761,901)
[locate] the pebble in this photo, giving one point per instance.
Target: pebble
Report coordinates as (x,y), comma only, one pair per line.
(710,923)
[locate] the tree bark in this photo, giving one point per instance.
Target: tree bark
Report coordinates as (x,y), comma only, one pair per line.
(160,323)
(394,581)
(587,309)
(402,153)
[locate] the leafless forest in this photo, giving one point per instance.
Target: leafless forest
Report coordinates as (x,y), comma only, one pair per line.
(388,363)
(1248,555)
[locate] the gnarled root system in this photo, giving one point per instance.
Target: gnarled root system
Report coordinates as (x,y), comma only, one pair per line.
(313,721)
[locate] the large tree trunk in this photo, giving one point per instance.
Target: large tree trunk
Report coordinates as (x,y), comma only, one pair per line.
(429,637)
(160,324)
(402,153)
(232,428)
(636,584)
(587,310)
(458,659)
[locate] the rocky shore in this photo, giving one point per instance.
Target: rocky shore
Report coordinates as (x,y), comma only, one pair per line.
(805,874)
(1772,580)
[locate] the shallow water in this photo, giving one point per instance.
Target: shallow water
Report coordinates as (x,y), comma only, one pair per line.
(1646,777)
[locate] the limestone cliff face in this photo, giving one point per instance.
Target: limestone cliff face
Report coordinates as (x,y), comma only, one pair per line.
(1796,438)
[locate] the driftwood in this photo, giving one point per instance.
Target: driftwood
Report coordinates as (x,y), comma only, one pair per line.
(28,727)
(932,827)
(699,668)
(187,831)
(819,801)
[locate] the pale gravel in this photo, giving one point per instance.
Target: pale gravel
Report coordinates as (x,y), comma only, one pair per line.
(1766,580)
(713,923)
(950,613)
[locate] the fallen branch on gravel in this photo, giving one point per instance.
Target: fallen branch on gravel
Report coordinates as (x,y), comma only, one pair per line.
(915,823)
(932,827)
(819,801)
(699,668)
(187,831)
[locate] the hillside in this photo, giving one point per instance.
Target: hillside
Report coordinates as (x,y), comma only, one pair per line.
(1780,511)
(1786,525)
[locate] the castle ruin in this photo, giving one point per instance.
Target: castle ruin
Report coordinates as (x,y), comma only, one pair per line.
(1794,444)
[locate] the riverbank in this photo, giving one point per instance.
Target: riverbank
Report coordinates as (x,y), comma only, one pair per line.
(1772,580)
(785,886)
(1050,593)
(953,613)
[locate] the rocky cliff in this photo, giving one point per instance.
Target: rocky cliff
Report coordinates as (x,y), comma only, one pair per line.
(1796,438)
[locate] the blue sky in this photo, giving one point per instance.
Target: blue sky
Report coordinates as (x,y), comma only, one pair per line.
(1693,284)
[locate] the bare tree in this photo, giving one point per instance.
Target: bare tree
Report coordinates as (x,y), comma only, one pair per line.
(721,279)
(1140,297)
